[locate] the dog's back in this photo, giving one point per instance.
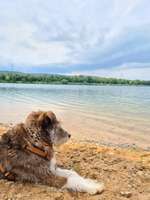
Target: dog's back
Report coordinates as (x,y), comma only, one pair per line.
(12,155)
(19,164)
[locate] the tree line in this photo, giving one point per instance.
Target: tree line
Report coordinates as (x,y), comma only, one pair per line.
(16,77)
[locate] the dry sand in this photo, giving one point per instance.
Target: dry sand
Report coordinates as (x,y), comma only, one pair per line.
(124,171)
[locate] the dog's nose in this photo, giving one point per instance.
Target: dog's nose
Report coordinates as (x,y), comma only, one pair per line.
(69,135)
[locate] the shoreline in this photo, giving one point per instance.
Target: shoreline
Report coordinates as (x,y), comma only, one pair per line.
(112,115)
(125,149)
(83,84)
(104,143)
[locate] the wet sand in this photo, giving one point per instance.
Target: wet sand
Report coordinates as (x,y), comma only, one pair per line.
(125,133)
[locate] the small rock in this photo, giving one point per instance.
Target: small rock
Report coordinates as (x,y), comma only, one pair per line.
(130,186)
(19,196)
(140,173)
(126,194)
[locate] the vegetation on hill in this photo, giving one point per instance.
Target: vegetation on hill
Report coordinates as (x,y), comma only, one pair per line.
(16,77)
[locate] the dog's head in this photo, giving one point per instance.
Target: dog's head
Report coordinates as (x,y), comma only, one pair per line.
(49,126)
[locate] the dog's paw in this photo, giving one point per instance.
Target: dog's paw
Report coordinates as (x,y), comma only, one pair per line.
(79,184)
(95,188)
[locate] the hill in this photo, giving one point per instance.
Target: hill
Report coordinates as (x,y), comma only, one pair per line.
(18,77)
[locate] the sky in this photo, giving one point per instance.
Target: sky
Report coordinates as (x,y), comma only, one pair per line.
(90,37)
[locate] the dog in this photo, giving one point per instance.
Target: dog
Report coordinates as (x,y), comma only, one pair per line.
(27,155)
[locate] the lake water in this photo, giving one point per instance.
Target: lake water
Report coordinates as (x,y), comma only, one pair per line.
(111,114)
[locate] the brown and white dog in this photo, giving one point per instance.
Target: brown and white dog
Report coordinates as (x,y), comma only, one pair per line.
(27,154)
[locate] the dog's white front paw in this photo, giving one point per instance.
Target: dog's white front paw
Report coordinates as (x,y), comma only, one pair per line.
(95,188)
(78,183)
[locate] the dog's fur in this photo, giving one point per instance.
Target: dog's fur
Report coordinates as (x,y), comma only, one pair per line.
(23,165)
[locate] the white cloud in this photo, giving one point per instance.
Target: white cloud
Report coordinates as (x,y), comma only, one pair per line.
(100,33)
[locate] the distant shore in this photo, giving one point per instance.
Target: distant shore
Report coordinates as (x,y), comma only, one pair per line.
(18,77)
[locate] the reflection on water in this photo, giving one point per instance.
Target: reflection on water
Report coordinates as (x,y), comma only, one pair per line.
(103,113)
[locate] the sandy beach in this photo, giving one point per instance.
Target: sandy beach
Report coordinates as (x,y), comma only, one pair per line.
(124,171)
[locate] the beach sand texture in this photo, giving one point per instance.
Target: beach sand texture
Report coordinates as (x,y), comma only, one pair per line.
(124,171)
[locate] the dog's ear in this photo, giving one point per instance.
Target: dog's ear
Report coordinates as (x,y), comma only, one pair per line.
(47,120)
(32,118)
(41,119)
